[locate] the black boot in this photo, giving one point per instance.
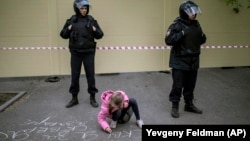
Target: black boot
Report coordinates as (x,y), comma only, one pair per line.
(175,110)
(189,107)
(73,102)
(93,101)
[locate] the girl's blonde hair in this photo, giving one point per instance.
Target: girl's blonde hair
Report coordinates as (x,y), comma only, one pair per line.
(116,101)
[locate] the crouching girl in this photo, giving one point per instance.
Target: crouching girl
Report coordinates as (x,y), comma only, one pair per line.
(117,107)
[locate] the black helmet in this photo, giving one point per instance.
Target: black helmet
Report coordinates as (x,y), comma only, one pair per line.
(188,7)
(80,3)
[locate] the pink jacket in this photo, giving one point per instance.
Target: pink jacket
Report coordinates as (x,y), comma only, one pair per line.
(104,111)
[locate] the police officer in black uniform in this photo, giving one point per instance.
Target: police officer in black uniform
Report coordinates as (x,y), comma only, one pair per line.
(82,30)
(185,36)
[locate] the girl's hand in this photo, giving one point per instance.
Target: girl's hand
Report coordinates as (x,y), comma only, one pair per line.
(109,130)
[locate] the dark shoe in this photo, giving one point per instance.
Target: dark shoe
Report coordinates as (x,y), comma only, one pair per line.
(93,102)
(72,103)
(192,108)
(175,113)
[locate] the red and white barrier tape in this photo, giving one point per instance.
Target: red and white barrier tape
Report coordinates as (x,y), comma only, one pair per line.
(33,48)
(133,47)
(98,48)
(208,47)
(119,48)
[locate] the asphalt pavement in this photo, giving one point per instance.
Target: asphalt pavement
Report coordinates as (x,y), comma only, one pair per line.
(40,114)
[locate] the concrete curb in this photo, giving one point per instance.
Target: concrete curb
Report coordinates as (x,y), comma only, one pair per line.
(12,100)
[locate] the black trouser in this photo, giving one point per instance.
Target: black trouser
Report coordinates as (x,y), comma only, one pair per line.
(183,83)
(88,61)
(119,114)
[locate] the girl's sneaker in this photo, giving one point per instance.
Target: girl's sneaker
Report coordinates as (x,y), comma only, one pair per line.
(139,123)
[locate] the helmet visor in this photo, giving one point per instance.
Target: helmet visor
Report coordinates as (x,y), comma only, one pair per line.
(192,10)
(80,4)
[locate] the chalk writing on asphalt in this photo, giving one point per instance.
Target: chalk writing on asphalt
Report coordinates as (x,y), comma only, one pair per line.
(60,131)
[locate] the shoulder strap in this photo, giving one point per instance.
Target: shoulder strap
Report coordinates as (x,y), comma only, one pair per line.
(90,17)
(73,19)
(90,20)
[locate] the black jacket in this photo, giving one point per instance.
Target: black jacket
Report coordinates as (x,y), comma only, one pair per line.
(81,36)
(186,38)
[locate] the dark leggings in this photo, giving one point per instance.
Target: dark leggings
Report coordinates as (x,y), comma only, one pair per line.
(119,114)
